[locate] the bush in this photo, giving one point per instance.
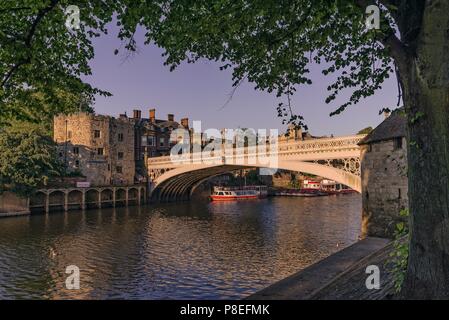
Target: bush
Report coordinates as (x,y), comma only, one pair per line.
(399,256)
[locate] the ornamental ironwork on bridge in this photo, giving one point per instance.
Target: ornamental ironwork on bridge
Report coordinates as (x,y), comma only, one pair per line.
(333,158)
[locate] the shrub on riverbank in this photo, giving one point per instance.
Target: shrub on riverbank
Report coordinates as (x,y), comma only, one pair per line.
(399,256)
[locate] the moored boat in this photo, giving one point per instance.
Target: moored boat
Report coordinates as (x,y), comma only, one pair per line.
(302,193)
(235,193)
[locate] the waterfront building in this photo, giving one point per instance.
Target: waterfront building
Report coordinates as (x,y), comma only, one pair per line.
(153,135)
(384,176)
(112,151)
(100,148)
(153,138)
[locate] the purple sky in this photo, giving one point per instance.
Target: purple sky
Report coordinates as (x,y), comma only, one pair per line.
(198,91)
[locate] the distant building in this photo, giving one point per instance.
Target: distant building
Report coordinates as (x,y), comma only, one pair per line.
(384,176)
(99,147)
(296,134)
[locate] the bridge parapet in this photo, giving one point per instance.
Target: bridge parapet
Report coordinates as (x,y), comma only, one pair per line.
(309,150)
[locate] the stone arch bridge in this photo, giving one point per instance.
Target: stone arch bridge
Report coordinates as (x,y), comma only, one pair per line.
(336,159)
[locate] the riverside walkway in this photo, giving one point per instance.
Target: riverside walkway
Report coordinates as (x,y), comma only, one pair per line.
(341,276)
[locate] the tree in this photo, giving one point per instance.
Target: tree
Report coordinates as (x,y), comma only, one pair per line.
(35,108)
(28,158)
(43,61)
(294,183)
(272,43)
(367,130)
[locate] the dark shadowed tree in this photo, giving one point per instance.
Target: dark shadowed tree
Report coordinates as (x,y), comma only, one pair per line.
(28,158)
(272,43)
(42,61)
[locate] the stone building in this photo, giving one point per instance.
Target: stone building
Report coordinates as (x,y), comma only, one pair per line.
(153,135)
(152,138)
(384,176)
(100,147)
(111,151)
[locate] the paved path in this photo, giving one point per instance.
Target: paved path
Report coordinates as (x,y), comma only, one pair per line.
(340,276)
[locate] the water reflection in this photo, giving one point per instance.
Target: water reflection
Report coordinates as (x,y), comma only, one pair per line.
(195,250)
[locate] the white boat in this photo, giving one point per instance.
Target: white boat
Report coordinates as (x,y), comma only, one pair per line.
(239,193)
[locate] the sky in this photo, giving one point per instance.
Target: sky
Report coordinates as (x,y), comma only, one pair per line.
(199,92)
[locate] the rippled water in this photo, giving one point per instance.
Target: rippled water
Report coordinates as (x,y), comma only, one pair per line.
(196,250)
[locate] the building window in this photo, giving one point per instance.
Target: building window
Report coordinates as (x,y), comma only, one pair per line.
(397,143)
(97,134)
(151,141)
(399,193)
(100,151)
(119,169)
(144,142)
(120,155)
(161,142)
(120,137)
(370,148)
(77,163)
(76,150)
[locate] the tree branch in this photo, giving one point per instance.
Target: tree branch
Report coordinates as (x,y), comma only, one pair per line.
(28,40)
(390,41)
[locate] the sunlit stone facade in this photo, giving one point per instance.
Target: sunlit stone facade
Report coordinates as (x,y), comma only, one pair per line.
(100,147)
(384,177)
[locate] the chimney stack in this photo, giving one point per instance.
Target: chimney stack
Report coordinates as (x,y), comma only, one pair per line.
(171,117)
(185,122)
(137,114)
(152,115)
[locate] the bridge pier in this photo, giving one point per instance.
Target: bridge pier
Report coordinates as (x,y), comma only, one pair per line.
(66,201)
(83,200)
(99,198)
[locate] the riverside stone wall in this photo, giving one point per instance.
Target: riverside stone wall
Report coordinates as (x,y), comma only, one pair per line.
(10,204)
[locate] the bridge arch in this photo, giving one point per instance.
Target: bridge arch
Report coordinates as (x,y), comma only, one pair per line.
(179,183)
(75,199)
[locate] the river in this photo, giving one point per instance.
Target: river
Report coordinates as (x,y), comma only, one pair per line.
(194,250)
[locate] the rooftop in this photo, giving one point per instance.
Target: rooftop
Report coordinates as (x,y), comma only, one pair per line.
(392,127)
